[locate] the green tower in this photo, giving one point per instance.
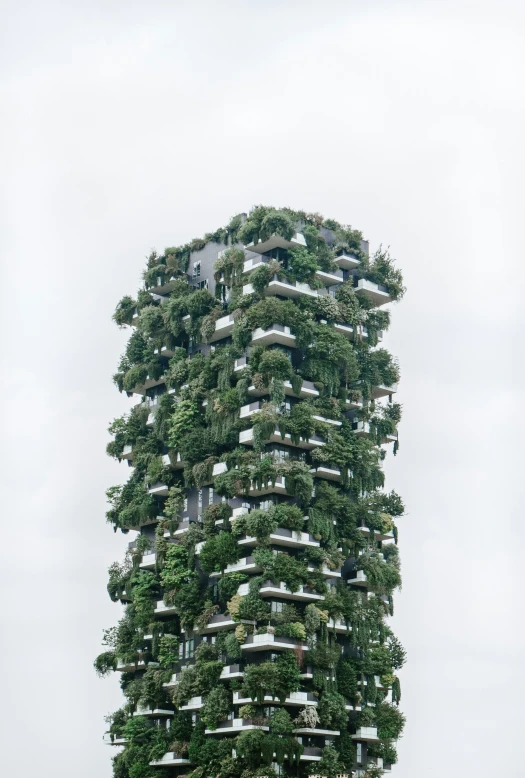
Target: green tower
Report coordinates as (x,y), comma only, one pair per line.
(258,586)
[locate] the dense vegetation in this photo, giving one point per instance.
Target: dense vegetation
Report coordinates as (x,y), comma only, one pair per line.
(299,465)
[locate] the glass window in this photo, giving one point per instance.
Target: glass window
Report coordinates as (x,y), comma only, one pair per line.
(210,495)
(197,269)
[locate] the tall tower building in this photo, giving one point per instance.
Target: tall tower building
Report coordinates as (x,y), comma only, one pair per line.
(255,637)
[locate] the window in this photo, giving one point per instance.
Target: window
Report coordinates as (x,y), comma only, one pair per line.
(197,269)
(199,501)
(190,648)
(359,753)
(277,607)
(210,495)
(185,506)
(203,284)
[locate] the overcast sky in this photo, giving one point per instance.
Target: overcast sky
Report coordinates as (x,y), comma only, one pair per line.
(132,125)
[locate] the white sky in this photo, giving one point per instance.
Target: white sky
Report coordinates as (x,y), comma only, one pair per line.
(128,125)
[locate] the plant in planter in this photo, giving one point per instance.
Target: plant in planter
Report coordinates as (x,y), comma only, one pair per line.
(218,552)
(307,718)
(332,710)
(216,707)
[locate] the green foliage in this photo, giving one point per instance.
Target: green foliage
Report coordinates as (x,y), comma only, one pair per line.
(168,650)
(381,270)
(332,710)
(389,720)
(218,552)
(124,311)
(329,765)
(302,265)
(346,676)
(175,571)
(130,505)
(278,678)
(105,663)
(184,416)
(229,584)
(216,707)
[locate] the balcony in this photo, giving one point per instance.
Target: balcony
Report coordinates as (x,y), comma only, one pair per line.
(131,667)
(223,327)
(324,420)
(324,570)
(307,390)
(340,626)
(277,333)
(376,293)
(279,487)
(148,561)
(284,537)
(217,622)
(253,263)
(311,754)
(289,289)
(377,681)
(362,430)
(148,384)
(328,473)
(248,410)
(127,453)
(233,726)
(163,287)
(194,703)
(382,536)
(165,351)
(173,461)
(182,528)
(315,731)
(346,260)
(154,713)
(161,609)
(300,699)
(270,642)
(232,671)
(277,242)
(159,490)
(246,437)
(358,333)
(357,578)
(383,391)
(303,593)
(245,565)
(366,735)
(329,279)
(170,760)
(114,740)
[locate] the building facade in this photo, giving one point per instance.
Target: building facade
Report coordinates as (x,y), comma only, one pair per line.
(257,589)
